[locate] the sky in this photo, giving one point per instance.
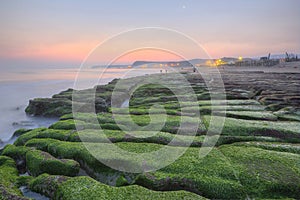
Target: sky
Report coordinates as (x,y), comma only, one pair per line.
(46,33)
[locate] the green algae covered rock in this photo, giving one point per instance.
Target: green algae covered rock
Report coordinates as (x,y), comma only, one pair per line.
(49,107)
(18,154)
(198,175)
(39,162)
(256,155)
(218,175)
(61,103)
(59,187)
(21,131)
(43,133)
(265,173)
(286,130)
(8,179)
(275,146)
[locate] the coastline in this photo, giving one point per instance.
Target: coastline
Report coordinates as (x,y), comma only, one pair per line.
(24,89)
(257,123)
(32,121)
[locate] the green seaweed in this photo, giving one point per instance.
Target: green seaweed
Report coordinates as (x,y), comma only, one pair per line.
(264,173)
(39,162)
(240,127)
(58,187)
(8,179)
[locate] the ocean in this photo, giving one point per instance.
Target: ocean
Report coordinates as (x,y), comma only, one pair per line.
(19,86)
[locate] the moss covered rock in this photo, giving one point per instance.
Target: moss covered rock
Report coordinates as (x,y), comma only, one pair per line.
(39,162)
(256,155)
(265,173)
(58,187)
(8,179)
(49,107)
(18,154)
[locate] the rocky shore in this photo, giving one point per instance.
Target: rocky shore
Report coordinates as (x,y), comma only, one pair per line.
(256,155)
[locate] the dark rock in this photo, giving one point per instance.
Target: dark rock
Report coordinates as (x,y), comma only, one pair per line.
(49,107)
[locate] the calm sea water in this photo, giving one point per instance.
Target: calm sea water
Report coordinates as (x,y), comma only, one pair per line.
(18,87)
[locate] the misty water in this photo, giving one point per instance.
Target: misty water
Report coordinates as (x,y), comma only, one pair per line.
(15,96)
(17,88)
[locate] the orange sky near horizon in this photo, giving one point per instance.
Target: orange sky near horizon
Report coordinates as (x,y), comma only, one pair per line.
(79,51)
(60,51)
